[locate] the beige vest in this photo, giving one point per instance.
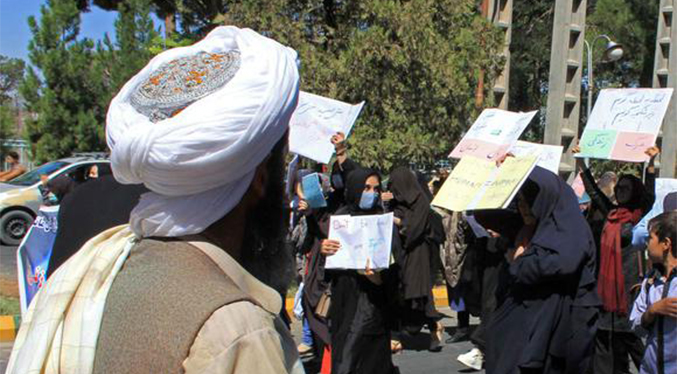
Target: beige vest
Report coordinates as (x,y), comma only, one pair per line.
(164,293)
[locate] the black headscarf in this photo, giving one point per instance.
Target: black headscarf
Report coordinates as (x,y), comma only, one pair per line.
(354,186)
(556,271)
(640,197)
(413,206)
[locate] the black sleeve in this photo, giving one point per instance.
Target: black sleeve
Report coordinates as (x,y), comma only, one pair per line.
(596,195)
(539,265)
(650,185)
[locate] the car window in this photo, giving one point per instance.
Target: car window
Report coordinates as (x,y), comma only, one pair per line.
(33,176)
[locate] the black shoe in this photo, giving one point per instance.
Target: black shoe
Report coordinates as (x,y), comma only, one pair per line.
(458,336)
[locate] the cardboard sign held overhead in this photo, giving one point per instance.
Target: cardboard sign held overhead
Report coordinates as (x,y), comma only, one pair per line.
(549,156)
(476,184)
(624,123)
(494,132)
(315,120)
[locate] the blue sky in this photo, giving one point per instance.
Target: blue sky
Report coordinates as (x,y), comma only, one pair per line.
(15,34)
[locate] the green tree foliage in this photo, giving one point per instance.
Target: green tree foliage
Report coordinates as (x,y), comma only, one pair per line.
(633,23)
(70,95)
(530,59)
(415,64)
(11,73)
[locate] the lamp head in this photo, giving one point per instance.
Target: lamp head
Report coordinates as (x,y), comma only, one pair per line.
(613,52)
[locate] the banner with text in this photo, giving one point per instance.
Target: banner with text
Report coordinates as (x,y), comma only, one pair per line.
(34,253)
(362,238)
(624,123)
(315,120)
(549,156)
(492,134)
(476,184)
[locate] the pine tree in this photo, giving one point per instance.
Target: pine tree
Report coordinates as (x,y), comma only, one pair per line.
(77,80)
(64,95)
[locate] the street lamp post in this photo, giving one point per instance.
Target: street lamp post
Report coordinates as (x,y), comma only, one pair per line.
(613,52)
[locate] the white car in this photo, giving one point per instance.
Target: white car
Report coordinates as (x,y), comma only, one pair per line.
(21,197)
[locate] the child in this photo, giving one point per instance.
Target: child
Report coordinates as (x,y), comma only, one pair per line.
(655,308)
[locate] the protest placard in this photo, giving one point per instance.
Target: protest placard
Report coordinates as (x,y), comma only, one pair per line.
(478,184)
(315,120)
(624,123)
(549,156)
(362,238)
(34,253)
(578,186)
(492,134)
(312,191)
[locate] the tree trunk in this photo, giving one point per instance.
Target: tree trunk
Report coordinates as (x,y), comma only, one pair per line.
(170,24)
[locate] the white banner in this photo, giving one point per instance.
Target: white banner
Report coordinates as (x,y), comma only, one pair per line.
(492,134)
(624,123)
(362,238)
(549,156)
(315,120)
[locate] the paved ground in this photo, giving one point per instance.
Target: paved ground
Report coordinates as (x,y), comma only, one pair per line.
(414,359)
(8,262)
(417,359)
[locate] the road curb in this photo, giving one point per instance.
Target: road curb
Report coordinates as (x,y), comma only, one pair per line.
(439,293)
(9,325)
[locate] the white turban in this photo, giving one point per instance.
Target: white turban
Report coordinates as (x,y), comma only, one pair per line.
(199,163)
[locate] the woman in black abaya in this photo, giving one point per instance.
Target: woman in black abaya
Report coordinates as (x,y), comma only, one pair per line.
(547,322)
(421,233)
(359,327)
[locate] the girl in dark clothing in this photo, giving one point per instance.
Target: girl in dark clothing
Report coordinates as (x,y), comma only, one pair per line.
(546,324)
(316,286)
(359,300)
(620,266)
(421,233)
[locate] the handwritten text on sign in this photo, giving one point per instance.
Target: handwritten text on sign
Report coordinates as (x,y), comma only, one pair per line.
(479,184)
(362,238)
(549,156)
(313,123)
(492,134)
(624,123)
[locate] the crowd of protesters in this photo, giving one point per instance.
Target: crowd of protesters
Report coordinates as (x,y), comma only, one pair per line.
(553,277)
(195,281)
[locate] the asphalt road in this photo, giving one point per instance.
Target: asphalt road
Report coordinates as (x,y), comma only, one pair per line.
(8,277)
(416,358)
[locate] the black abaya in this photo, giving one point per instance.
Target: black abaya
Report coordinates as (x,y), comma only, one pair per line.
(358,316)
(548,320)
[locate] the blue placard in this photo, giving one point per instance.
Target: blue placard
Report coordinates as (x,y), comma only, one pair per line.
(312,191)
(34,253)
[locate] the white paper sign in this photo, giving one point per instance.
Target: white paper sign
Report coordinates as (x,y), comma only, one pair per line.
(492,134)
(315,120)
(549,156)
(624,123)
(362,238)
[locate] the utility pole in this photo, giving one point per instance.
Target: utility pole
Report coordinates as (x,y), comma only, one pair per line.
(500,13)
(564,85)
(664,76)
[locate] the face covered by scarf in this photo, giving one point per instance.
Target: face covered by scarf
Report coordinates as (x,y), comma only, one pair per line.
(194,125)
(362,199)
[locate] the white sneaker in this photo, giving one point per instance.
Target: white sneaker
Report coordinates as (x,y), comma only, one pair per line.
(472,359)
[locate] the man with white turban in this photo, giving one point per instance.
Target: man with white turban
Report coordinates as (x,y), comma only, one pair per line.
(193,283)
